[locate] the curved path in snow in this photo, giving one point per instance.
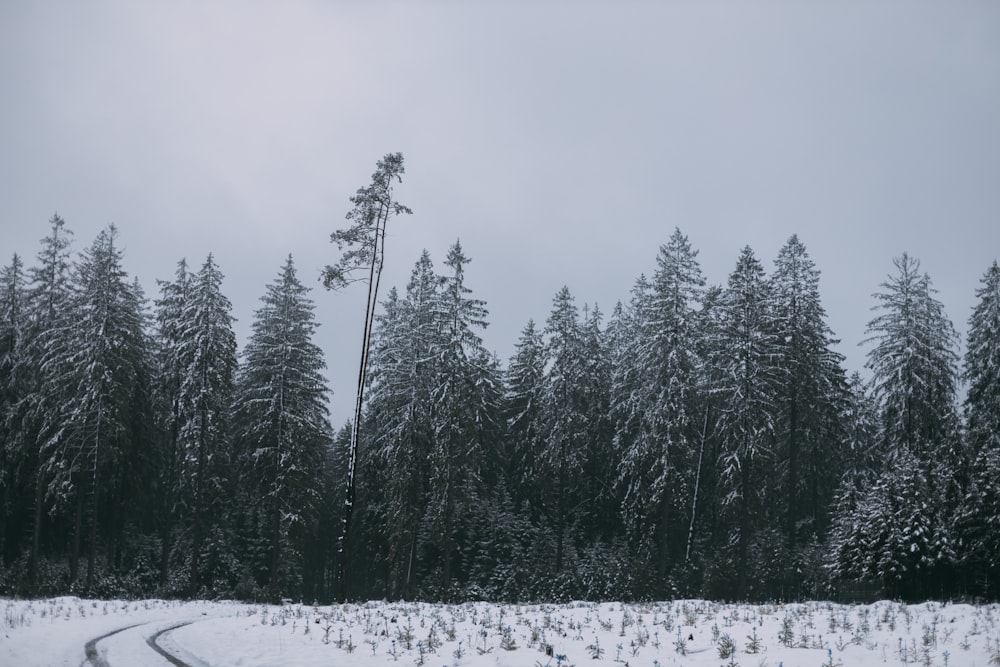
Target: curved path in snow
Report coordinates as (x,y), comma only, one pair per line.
(171,658)
(95,658)
(90,648)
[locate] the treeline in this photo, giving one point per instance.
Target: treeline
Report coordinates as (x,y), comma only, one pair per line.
(698,441)
(138,456)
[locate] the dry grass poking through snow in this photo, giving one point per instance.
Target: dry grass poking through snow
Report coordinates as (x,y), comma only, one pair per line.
(665,634)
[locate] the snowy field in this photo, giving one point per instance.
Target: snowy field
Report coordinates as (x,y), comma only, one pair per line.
(71,631)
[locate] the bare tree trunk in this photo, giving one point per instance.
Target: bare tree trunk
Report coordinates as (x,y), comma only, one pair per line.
(697,483)
(374,277)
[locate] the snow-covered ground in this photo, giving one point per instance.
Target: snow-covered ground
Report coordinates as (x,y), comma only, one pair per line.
(62,631)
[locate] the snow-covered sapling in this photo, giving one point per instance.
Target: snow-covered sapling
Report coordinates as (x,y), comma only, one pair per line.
(595,649)
(727,646)
(680,644)
(754,645)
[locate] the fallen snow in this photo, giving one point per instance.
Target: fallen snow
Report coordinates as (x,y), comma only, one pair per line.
(666,634)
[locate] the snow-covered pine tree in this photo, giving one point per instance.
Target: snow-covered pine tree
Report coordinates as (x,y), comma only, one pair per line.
(465,399)
(281,419)
(913,502)
(601,510)
(363,244)
(12,329)
(400,428)
(656,392)
(811,395)
(168,407)
(913,363)
(523,382)
(982,365)
(100,357)
(746,356)
(206,354)
(980,514)
(565,419)
(32,417)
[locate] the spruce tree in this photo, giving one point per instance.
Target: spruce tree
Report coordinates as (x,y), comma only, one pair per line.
(33,415)
(664,364)
(206,354)
(913,363)
(281,419)
(903,526)
(12,330)
(811,394)
(565,419)
(980,512)
(169,407)
(523,383)
(406,350)
(100,357)
(746,357)
(465,399)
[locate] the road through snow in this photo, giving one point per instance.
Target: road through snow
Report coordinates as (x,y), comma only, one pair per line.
(120,648)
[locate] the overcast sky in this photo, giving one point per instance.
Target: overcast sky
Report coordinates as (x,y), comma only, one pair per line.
(561,141)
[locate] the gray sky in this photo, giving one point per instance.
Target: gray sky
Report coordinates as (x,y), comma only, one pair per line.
(561,141)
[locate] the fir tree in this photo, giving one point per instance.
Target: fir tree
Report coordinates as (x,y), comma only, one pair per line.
(523,385)
(100,360)
(281,416)
(913,362)
(746,357)
(12,330)
(811,393)
(664,365)
(206,353)
(169,408)
(405,358)
(32,418)
(565,418)
(465,399)
(980,513)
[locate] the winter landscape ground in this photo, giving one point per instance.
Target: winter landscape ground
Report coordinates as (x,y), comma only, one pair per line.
(72,631)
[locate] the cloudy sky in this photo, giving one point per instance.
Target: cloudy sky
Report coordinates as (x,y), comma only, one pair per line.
(560,141)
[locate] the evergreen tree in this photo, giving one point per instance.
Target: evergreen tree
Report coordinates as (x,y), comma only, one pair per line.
(749,383)
(663,370)
(206,353)
(405,358)
(32,418)
(565,419)
(364,241)
(913,362)
(169,409)
(982,365)
(906,534)
(12,330)
(465,399)
(811,394)
(281,417)
(980,514)
(100,360)
(523,386)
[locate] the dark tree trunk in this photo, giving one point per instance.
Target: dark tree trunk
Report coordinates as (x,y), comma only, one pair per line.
(793,474)
(74,561)
(36,532)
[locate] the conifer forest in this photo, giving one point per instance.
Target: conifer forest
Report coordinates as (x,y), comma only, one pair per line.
(695,440)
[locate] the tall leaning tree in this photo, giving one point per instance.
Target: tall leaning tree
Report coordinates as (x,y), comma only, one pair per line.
(363,247)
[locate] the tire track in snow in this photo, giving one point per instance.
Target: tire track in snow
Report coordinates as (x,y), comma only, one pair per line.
(97,660)
(170,657)
(90,648)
